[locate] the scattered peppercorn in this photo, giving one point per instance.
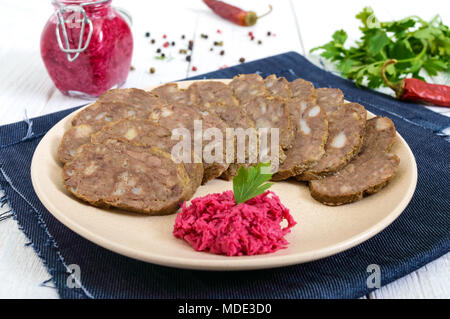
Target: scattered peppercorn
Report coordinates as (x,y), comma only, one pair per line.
(222,52)
(163,55)
(252,38)
(188,58)
(147,34)
(211,49)
(152,70)
(132,68)
(204,36)
(250,34)
(166,44)
(191,45)
(218,31)
(269,33)
(158,50)
(194,68)
(153,41)
(164,36)
(259,42)
(183,36)
(218,43)
(173,43)
(183,51)
(242,60)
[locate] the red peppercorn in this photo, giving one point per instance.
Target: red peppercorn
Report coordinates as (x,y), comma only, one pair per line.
(194,68)
(164,36)
(166,44)
(250,34)
(218,31)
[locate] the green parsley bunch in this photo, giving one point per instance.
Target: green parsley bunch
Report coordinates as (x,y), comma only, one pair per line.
(413,42)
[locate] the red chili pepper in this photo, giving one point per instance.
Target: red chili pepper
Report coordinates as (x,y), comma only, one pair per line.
(416,90)
(234,14)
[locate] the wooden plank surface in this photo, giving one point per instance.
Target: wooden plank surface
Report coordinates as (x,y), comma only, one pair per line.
(297,25)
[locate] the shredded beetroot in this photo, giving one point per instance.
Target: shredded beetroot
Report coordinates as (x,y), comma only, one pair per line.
(215,224)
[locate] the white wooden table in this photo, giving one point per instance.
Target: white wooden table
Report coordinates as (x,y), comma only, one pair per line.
(298,26)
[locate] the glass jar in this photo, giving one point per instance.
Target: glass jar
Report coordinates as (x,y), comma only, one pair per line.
(87,47)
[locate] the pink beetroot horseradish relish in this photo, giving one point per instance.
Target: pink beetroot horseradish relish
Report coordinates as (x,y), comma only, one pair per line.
(105,62)
(215,224)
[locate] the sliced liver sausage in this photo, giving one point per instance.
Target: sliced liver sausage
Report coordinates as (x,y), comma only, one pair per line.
(367,173)
(126,176)
(172,94)
(148,134)
(310,131)
(247,86)
(308,147)
(180,116)
(278,86)
(216,97)
(346,127)
(117,104)
(112,106)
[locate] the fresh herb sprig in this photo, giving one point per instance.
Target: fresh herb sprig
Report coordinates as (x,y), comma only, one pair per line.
(413,42)
(251,183)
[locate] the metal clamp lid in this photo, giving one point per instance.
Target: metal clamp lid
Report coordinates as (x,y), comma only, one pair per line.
(78,10)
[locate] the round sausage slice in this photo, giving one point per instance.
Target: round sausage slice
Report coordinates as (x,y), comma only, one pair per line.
(91,120)
(126,176)
(308,146)
(117,104)
(172,94)
(367,173)
(148,134)
(311,131)
(112,106)
(278,86)
(247,86)
(180,116)
(346,128)
(218,98)
(329,99)
(272,112)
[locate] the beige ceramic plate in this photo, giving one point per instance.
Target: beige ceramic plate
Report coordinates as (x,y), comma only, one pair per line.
(321,230)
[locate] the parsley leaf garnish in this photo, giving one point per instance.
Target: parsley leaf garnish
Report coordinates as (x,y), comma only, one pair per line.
(416,44)
(251,183)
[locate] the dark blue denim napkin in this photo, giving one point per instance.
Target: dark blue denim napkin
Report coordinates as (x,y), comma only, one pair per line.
(420,235)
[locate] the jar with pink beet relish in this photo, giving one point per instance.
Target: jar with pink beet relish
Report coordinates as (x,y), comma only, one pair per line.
(87,47)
